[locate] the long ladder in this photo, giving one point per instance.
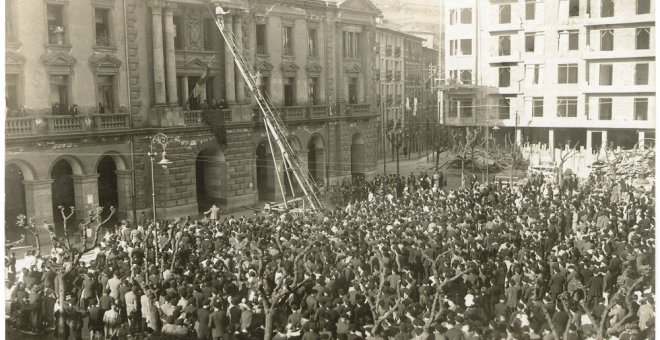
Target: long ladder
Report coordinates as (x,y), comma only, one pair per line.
(272,122)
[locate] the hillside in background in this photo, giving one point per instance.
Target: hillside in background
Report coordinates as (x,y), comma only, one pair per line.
(412,15)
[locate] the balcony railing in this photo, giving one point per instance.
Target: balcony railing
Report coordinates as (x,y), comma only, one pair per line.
(358,109)
(30,126)
(20,126)
(196,117)
(111,121)
(65,124)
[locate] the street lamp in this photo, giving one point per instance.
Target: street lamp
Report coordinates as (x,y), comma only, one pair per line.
(161,139)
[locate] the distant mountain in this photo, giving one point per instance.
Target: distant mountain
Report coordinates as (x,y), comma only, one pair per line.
(413,15)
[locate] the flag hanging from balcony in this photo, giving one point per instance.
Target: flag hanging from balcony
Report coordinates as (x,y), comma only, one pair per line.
(199,86)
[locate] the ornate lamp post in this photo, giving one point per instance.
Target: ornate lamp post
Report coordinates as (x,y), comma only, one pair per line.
(161,139)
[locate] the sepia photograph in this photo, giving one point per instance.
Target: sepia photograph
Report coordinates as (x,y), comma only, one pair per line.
(329,169)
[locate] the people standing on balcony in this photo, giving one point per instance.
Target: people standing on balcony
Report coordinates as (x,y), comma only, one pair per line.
(101,108)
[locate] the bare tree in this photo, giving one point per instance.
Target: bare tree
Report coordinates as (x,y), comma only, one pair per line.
(271,297)
(375,298)
(441,141)
(28,224)
(72,254)
(465,141)
(435,306)
(565,154)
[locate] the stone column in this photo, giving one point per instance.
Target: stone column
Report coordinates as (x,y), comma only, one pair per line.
(39,200)
(605,142)
(230,87)
(551,142)
(238,33)
(589,140)
(519,136)
(124,195)
(170,59)
(86,189)
(159,62)
(640,137)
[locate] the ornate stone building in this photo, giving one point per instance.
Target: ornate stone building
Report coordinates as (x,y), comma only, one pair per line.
(89,83)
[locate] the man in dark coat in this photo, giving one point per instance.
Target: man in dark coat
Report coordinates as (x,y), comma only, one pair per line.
(203,317)
(217,321)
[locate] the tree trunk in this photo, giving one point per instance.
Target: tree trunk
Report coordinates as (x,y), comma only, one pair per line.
(268,324)
(462,173)
(397,161)
(437,160)
(61,298)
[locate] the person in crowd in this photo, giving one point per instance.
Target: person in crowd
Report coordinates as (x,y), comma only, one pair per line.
(490,260)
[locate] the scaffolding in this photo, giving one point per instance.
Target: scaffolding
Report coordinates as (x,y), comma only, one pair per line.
(276,131)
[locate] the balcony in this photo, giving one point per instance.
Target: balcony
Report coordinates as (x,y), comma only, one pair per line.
(389,77)
(513,57)
(196,117)
(388,51)
(397,52)
(358,109)
(593,54)
(297,113)
(642,19)
(64,124)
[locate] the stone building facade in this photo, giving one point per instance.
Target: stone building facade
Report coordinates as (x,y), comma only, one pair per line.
(89,83)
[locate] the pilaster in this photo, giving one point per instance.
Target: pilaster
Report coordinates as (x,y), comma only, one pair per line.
(159,59)
(170,55)
(86,192)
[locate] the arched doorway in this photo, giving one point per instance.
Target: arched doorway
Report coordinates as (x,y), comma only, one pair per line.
(14,201)
(210,177)
(63,194)
(265,172)
(358,155)
(107,185)
(316,158)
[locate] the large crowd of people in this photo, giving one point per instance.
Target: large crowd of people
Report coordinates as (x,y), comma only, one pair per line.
(502,262)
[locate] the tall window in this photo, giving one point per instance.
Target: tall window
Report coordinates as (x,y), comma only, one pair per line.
(643,6)
(102,19)
(505,77)
(59,94)
(537,107)
(178,32)
(453,16)
(641,108)
(466,77)
(351,44)
(105,93)
(607,40)
(574,8)
(289,91)
(56,29)
(605,74)
(505,14)
(641,74)
(530,42)
(313,91)
(605,108)
(311,43)
(573,40)
(607,8)
(566,106)
(261,39)
(504,45)
(536,75)
(352,90)
(466,15)
(11,91)
(466,107)
(466,46)
(504,108)
(530,9)
(288,40)
(208,28)
(567,74)
(642,41)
